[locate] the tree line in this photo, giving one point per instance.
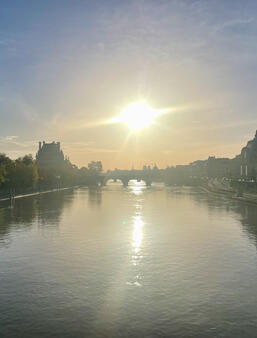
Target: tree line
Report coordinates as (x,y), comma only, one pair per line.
(23,175)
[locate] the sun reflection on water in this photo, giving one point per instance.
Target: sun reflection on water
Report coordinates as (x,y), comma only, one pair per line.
(137,234)
(137,188)
(137,237)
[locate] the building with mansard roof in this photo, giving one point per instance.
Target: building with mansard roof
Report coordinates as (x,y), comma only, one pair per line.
(50,155)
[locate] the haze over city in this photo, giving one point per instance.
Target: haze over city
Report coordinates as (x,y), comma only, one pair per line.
(69,68)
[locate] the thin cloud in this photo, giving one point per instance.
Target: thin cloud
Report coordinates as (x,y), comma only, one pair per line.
(231,23)
(8,138)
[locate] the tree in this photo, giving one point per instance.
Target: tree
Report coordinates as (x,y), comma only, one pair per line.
(95,167)
(2,174)
(5,165)
(4,160)
(27,159)
(19,174)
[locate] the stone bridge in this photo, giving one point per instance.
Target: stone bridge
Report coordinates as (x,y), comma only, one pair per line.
(126,175)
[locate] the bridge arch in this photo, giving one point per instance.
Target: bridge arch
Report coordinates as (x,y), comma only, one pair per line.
(125,180)
(126,177)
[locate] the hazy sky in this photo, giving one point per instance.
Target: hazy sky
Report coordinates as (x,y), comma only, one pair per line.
(66,67)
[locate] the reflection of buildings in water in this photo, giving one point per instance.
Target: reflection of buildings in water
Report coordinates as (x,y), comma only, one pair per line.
(247,212)
(249,220)
(95,196)
(45,208)
(4,227)
(50,206)
(18,214)
(24,211)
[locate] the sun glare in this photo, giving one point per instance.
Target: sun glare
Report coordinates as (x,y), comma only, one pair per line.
(138,115)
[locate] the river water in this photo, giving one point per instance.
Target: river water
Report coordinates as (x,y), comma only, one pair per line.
(128,262)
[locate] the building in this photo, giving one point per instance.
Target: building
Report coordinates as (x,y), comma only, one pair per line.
(248,167)
(243,165)
(50,155)
(212,168)
(218,167)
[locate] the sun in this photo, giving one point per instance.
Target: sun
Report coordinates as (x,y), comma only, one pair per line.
(138,115)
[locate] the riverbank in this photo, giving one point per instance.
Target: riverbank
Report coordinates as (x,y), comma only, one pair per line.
(210,187)
(227,191)
(34,193)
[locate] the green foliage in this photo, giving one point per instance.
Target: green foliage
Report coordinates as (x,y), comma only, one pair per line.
(5,165)
(2,175)
(23,174)
(20,174)
(27,159)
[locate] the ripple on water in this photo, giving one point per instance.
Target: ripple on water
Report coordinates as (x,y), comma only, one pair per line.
(139,262)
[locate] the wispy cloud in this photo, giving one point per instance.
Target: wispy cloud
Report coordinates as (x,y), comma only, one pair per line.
(232,23)
(12,143)
(8,138)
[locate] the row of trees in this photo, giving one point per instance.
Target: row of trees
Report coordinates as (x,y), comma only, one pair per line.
(17,174)
(22,175)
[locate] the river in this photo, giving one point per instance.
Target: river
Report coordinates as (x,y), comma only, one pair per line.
(128,262)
